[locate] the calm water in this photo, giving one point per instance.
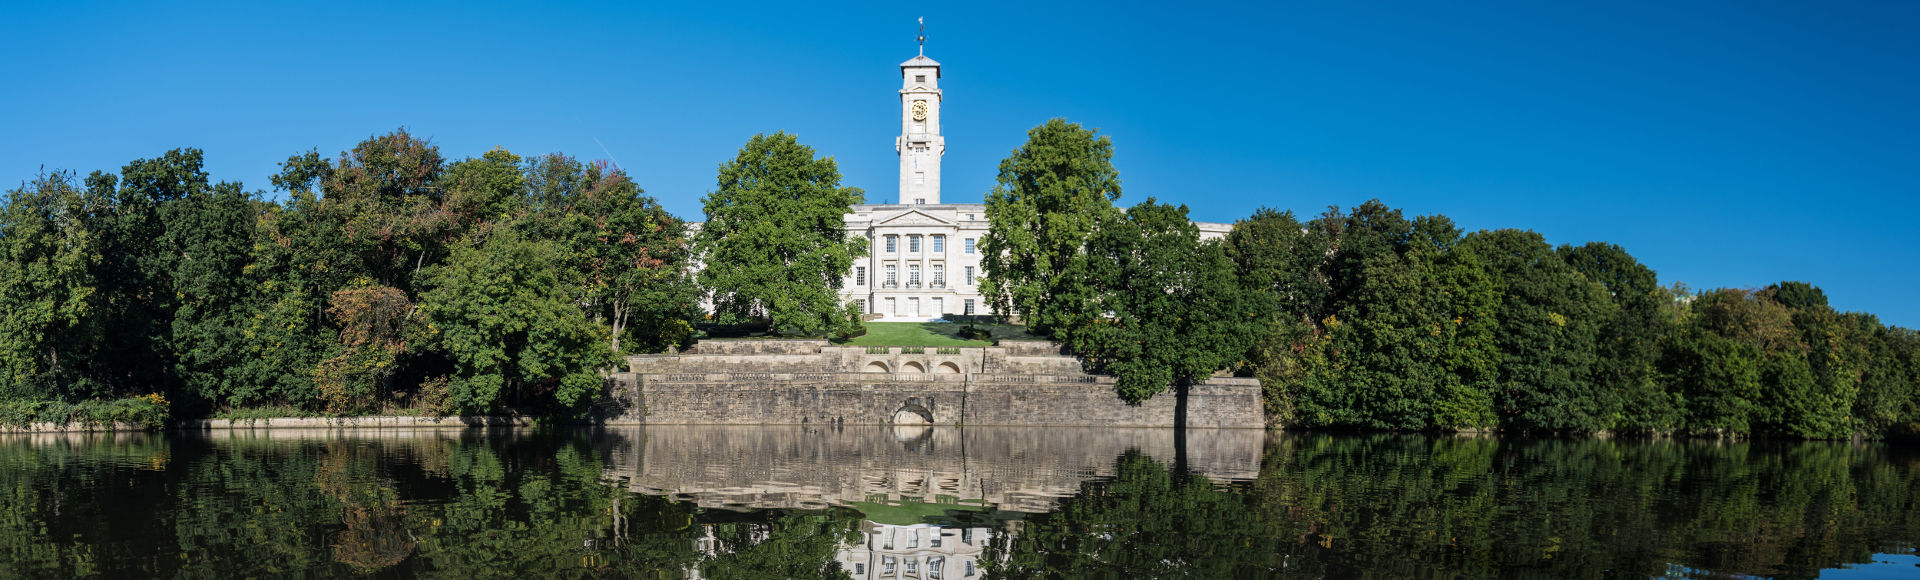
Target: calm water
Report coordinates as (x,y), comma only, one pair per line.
(947,504)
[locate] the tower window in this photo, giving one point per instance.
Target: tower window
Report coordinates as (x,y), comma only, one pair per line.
(919,78)
(919,178)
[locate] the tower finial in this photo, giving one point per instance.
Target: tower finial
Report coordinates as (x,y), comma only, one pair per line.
(923,36)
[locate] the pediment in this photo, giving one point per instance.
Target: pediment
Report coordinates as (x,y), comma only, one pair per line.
(914,217)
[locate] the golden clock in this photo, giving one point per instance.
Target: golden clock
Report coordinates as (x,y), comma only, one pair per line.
(919,110)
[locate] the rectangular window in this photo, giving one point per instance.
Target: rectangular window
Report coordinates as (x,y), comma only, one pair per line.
(913,244)
(886,565)
(893,277)
(919,78)
(939,244)
(939,276)
(859,275)
(969,244)
(913,275)
(969,275)
(913,304)
(860,306)
(935,563)
(913,565)
(920,201)
(891,241)
(969,312)
(969,568)
(939,308)
(919,178)
(894,307)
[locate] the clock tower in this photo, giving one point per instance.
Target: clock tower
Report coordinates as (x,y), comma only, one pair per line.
(920,144)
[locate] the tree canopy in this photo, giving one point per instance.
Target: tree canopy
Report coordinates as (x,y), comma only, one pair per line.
(775,246)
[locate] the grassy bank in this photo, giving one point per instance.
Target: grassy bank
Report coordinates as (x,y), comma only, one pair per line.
(933,334)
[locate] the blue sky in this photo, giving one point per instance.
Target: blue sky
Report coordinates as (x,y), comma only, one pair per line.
(1724,144)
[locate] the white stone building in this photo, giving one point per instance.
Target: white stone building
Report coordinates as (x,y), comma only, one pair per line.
(924,259)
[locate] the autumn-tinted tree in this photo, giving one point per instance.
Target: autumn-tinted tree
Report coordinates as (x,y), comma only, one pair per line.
(775,246)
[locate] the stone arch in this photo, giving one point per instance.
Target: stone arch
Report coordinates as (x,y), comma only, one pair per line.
(948,368)
(913,367)
(878,367)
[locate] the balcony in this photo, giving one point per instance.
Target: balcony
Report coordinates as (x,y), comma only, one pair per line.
(938,284)
(889,284)
(913,285)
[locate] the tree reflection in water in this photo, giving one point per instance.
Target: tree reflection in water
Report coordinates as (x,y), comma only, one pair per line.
(479,504)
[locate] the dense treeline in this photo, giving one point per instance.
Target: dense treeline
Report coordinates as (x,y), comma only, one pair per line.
(386,276)
(390,276)
(1368,319)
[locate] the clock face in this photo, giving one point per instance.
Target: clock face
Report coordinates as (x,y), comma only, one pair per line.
(919,110)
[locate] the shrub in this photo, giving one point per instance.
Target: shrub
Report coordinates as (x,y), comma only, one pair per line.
(971,332)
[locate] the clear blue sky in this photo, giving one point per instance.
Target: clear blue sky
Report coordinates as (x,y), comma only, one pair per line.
(1725,144)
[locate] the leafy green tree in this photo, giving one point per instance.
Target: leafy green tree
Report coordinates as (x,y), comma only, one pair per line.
(1548,336)
(506,311)
(1052,194)
(775,245)
(49,296)
(1629,343)
(1172,312)
(214,231)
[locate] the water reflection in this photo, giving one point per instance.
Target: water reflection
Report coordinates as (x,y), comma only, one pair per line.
(746,502)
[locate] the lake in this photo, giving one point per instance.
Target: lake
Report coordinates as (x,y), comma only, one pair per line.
(947,503)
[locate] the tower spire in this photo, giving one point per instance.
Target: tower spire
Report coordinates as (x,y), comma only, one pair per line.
(923,36)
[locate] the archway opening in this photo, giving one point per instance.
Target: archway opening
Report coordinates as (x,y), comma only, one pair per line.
(948,368)
(913,367)
(878,367)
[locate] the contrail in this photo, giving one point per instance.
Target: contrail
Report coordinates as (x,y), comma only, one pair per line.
(603,149)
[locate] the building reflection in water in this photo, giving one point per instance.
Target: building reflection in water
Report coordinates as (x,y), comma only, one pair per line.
(933,496)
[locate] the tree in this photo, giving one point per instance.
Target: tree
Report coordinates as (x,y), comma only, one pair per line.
(774,245)
(1549,319)
(634,255)
(1170,310)
(506,311)
(1052,193)
(1629,343)
(49,296)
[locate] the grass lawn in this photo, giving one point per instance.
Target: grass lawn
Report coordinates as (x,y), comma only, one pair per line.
(931,334)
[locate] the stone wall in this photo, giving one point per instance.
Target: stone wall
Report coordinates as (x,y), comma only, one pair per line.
(759,382)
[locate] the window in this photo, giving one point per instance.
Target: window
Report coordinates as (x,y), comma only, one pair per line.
(859,568)
(969,242)
(893,278)
(936,540)
(859,275)
(969,217)
(913,541)
(939,276)
(894,307)
(939,244)
(913,304)
(969,567)
(891,241)
(913,565)
(969,275)
(860,306)
(920,201)
(966,534)
(969,312)
(919,178)
(939,308)
(935,563)
(913,242)
(913,275)
(919,78)
(886,565)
